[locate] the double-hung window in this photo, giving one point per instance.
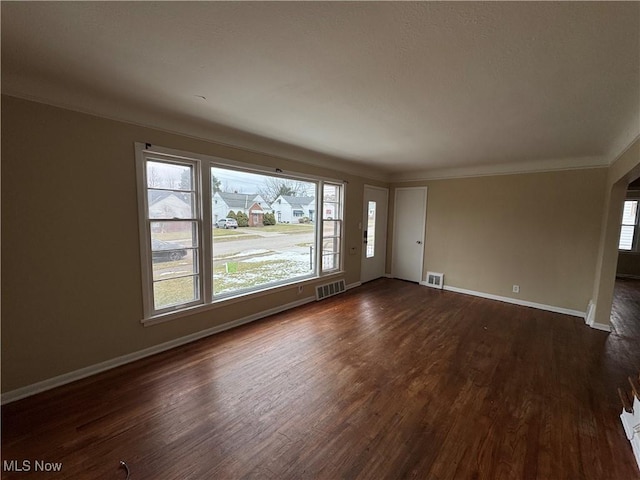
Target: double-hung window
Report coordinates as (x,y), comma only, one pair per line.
(331,226)
(170,232)
(629,229)
(212,229)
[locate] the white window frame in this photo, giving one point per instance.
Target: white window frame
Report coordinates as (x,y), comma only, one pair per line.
(202,165)
(635,244)
(339,211)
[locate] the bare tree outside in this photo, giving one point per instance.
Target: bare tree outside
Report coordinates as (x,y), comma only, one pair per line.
(274,187)
(154,177)
(162,175)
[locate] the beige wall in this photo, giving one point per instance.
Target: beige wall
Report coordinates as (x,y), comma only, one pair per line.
(71,269)
(70,255)
(539,231)
(628,264)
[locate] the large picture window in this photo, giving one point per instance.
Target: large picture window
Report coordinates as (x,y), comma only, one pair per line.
(259,250)
(211,230)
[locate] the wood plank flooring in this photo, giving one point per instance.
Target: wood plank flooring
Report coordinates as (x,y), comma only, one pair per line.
(390,380)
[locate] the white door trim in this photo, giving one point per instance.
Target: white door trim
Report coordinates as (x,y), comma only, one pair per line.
(381,243)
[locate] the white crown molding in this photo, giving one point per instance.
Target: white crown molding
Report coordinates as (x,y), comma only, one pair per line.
(541,166)
(256,144)
(235,139)
(615,158)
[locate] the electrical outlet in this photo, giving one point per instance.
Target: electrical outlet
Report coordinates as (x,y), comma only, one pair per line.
(300,289)
(516,289)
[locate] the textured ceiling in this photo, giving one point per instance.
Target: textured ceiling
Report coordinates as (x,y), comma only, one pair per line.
(401,87)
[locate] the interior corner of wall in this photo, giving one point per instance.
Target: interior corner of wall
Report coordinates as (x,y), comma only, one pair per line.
(589,318)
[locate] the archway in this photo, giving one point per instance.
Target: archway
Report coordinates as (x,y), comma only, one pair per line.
(624,170)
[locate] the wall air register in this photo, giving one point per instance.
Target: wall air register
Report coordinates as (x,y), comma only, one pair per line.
(435,280)
(330,289)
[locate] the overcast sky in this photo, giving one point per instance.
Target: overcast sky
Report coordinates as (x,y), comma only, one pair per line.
(243,182)
(165,175)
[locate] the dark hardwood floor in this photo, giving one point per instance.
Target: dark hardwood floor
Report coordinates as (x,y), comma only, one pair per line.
(390,380)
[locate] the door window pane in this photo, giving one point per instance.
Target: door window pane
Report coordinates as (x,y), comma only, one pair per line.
(371,230)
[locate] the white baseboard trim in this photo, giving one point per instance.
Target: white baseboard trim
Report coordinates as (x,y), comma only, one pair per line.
(65,378)
(590,318)
(601,326)
(353,285)
(523,303)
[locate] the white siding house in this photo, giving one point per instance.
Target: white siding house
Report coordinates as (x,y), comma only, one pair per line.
(290,209)
(223,202)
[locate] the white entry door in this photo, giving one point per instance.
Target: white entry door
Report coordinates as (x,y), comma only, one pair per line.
(374,233)
(409,218)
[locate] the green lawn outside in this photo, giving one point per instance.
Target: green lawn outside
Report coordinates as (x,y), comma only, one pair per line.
(244,232)
(223,232)
(239,275)
(246,275)
(242,275)
(288,228)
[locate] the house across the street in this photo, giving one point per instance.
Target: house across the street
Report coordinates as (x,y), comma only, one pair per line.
(251,204)
(290,209)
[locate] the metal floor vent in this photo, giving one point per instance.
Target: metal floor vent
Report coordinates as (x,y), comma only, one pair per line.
(435,280)
(330,289)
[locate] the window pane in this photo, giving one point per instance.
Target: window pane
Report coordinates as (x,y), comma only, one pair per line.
(175,291)
(174,263)
(170,204)
(331,193)
(173,235)
(275,238)
(626,237)
(169,176)
(630,212)
(330,262)
(330,245)
(331,228)
(329,210)
(330,253)
(371,229)
(331,202)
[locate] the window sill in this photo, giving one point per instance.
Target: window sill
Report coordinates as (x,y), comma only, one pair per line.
(223,302)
